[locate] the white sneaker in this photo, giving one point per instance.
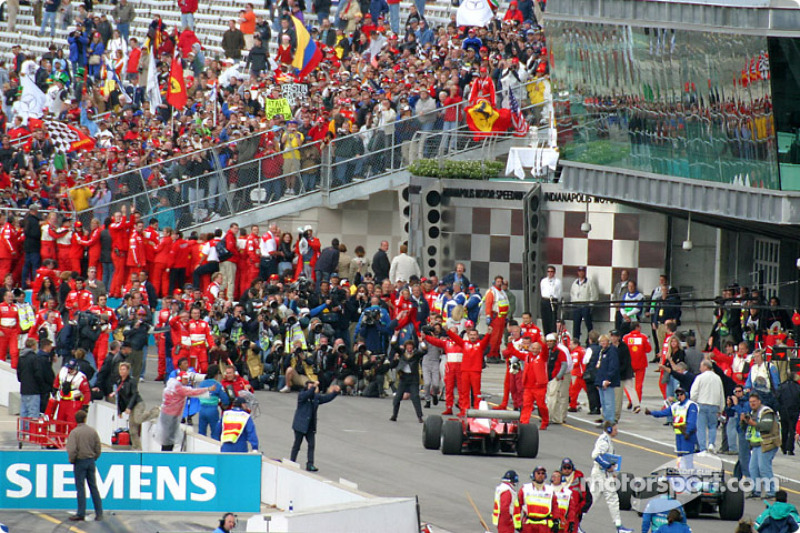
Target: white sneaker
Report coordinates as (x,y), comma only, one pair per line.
(623,529)
(287,388)
(711,449)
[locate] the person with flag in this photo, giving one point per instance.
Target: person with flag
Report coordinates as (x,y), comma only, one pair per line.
(307,55)
(176,88)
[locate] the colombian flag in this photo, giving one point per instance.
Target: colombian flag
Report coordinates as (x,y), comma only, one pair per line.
(484,119)
(308,55)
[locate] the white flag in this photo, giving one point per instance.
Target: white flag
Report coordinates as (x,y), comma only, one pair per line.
(32,101)
(153,92)
(474,13)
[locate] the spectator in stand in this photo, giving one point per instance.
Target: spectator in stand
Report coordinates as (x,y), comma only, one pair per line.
(247,25)
(124,13)
(233,42)
(380,263)
(188,9)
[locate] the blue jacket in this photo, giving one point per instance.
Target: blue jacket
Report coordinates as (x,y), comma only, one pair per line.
(216,396)
(609,367)
(376,337)
(473,306)
(675,527)
(774,378)
(305,417)
(655,521)
(77,49)
(684,443)
(248,435)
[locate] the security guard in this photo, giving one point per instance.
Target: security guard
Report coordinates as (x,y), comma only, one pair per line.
(236,428)
(684,422)
(506,514)
(539,504)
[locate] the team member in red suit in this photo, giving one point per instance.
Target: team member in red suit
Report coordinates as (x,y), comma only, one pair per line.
(161,260)
(76,250)
(471,365)
(19,240)
(506,513)
(496,304)
(202,341)
(136,260)
(151,240)
(577,352)
(483,87)
(315,246)
(178,263)
(179,332)
(91,242)
(567,504)
(9,250)
(529,329)
(65,255)
(452,370)
(78,299)
(214,290)
(169,309)
(639,346)
(47,270)
(577,482)
(50,232)
(233,383)
(512,383)
(539,503)
(250,260)
(534,381)
(42,316)
(405,310)
(120,241)
(9,329)
(73,391)
(108,319)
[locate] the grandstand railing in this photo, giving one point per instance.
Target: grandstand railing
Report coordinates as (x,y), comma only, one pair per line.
(224,189)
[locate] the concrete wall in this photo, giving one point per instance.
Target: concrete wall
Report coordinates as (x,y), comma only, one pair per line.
(8,382)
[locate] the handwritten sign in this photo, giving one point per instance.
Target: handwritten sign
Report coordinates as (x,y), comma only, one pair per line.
(295,93)
(277,106)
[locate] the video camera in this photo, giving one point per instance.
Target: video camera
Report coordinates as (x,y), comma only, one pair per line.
(371,317)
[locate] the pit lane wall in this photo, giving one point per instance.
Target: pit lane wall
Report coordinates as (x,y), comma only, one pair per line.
(317,504)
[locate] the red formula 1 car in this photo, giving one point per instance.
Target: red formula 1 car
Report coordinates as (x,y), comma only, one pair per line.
(483,431)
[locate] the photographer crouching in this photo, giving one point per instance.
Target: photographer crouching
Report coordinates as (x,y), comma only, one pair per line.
(375,329)
(299,367)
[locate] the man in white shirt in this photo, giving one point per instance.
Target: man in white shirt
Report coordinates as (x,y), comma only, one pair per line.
(709,395)
(403,266)
(269,249)
(583,290)
(550,292)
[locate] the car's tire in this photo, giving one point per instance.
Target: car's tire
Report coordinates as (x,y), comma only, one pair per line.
(624,492)
(731,507)
(645,493)
(527,441)
(693,508)
(451,437)
(432,432)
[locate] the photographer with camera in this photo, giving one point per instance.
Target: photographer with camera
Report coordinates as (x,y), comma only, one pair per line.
(300,367)
(375,327)
(406,360)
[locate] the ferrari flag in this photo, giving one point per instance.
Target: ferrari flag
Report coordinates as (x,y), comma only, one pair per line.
(65,137)
(176,92)
(484,119)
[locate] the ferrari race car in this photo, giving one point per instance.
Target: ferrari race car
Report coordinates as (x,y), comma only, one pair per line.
(482,430)
(698,482)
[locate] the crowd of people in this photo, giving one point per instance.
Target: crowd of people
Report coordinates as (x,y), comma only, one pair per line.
(379,82)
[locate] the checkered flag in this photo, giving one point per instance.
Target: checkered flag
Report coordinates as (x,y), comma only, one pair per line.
(67,138)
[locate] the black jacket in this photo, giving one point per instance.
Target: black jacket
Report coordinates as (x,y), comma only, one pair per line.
(625,368)
(28,375)
(380,266)
(328,260)
(33,234)
(138,335)
(789,397)
(413,361)
(105,246)
(47,377)
(305,417)
(108,375)
(127,394)
(591,367)
(85,367)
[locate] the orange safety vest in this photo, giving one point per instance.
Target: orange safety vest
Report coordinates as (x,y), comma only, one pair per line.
(233,423)
(538,504)
(513,508)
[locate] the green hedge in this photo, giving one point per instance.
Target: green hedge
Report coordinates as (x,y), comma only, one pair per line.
(470,170)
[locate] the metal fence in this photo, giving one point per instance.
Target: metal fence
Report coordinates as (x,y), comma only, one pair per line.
(248,173)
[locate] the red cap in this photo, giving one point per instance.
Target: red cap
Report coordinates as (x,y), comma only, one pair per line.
(274,277)
(176,292)
(483,70)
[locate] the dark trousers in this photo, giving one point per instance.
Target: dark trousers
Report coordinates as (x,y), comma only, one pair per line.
(656,345)
(177,279)
(85,472)
(578,315)
(209,268)
(266,268)
(407,383)
(788,422)
(298,440)
(594,397)
(33,261)
(549,312)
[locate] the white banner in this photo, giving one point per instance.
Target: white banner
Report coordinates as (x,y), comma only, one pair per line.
(474,13)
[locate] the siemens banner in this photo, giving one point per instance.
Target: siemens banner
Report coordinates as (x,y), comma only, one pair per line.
(130,481)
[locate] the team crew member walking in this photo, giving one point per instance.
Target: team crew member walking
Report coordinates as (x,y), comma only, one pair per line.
(602,481)
(506,513)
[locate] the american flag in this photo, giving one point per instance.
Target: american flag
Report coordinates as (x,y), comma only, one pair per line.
(517,118)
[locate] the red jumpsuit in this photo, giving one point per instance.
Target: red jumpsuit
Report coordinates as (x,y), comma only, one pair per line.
(471,368)
(160,276)
(101,344)
(120,241)
(249,266)
(539,507)
(315,246)
(578,384)
(202,341)
(452,369)
(162,320)
(534,381)
(578,484)
(8,249)
(41,321)
(483,87)
(66,256)
(136,260)
(506,512)
(568,507)
(497,305)
(532,331)
(92,243)
(639,347)
(213,292)
(512,384)
(179,329)
(78,301)
(9,333)
(179,257)
(151,241)
(49,236)
(78,396)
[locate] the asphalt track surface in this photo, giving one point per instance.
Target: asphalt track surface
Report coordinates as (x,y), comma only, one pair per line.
(356,441)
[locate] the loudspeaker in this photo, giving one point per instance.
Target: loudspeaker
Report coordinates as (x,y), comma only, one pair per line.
(533,262)
(405,211)
(431,203)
